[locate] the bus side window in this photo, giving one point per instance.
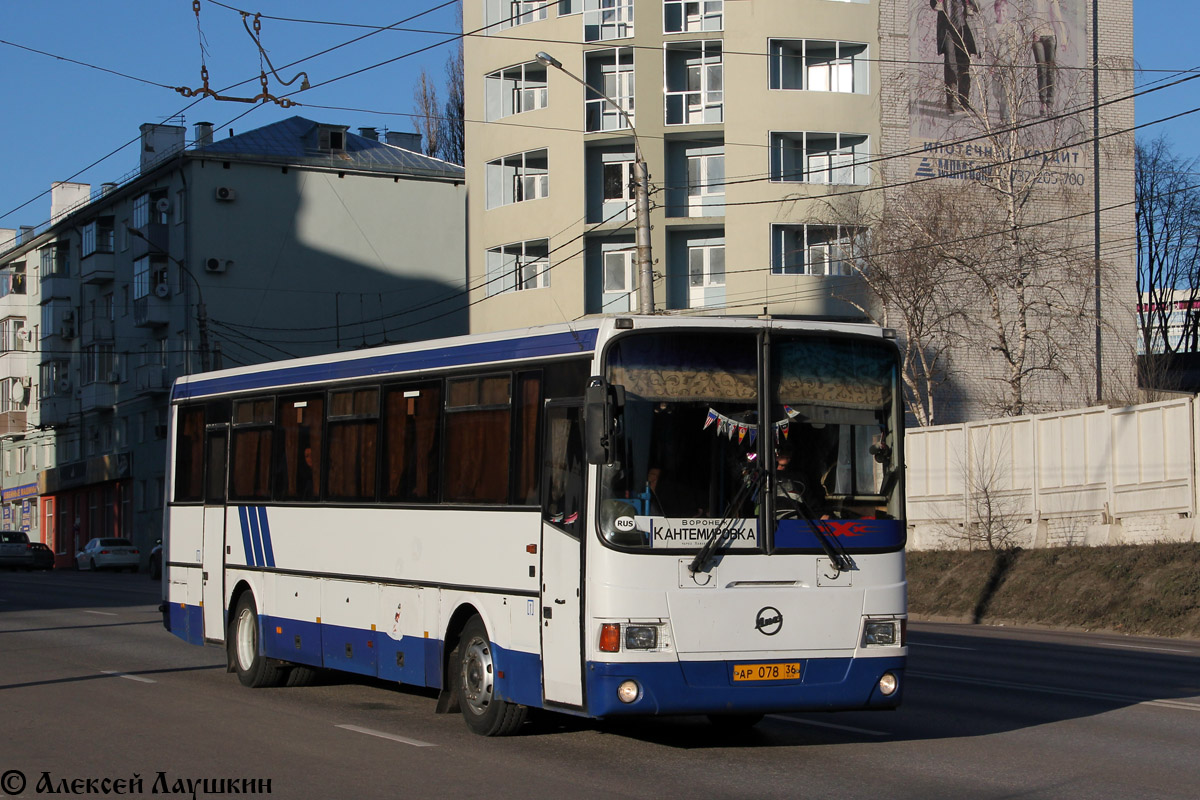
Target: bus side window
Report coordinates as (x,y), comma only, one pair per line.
(251,452)
(353,444)
(411,442)
(563,476)
(477,439)
(298,447)
(189,455)
(526,410)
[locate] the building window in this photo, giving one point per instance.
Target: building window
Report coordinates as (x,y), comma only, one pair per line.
(694,82)
(97,237)
(706,275)
(830,158)
(141,211)
(706,184)
(149,272)
(54,379)
(611,71)
(12,279)
(517,178)
(620,282)
(813,249)
(607,19)
(99,363)
(818,66)
(523,12)
(518,266)
(331,138)
(56,259)
(689,16)
(515,90)
(618,179)
(180,197)
(12,337)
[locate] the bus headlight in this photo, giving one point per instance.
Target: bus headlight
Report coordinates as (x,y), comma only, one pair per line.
(888,684)
(641,637)
(628,691)
(881,633)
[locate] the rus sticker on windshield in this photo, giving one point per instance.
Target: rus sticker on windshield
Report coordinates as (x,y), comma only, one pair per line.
(683,534)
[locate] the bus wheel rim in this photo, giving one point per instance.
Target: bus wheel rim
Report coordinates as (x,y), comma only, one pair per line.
(477,677)
(246,646)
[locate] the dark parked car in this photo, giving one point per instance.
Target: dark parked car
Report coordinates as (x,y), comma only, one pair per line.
(43,556)
(15,550)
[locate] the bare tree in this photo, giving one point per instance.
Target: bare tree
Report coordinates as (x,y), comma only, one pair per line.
(1168,248)
(428,116)
(453,141)
(1003,288)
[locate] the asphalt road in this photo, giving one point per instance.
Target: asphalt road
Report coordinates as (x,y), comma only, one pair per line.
(92,687)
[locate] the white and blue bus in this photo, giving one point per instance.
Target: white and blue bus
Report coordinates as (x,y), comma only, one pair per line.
(619,516)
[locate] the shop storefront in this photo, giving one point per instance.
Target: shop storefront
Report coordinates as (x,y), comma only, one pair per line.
(83,500)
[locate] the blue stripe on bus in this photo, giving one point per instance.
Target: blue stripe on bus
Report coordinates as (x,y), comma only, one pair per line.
(565,343)
(268,550)
(255,538)
(246,547)
(853,534)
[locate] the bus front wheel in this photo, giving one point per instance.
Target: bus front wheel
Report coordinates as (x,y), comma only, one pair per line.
(252,667)
(484,712)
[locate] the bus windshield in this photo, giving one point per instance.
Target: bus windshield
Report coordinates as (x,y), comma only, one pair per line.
(692,451)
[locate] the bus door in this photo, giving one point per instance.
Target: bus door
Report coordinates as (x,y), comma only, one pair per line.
(216,448)
(563,525)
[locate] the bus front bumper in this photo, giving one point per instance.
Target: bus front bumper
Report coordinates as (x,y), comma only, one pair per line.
(709,687)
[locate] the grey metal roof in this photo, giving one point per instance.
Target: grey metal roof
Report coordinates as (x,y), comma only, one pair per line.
(296,140)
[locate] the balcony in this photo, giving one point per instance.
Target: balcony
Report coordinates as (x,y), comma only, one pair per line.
(97,268)
(98,330)
(57,409)
(58,287)
(150,379)
(12,422)
(98,396)
(153,241)
(151,311)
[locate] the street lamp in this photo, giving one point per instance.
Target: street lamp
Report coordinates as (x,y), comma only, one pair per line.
(641,193)
(201,312)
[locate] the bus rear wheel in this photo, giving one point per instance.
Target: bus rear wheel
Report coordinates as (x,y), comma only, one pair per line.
(253,668)
(475,673)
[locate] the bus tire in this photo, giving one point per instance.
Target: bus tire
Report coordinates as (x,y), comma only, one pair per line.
(300,675)
(253,668)
(484,712)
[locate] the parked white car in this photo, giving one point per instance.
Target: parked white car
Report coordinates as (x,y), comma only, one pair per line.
(115,554)
(15,550)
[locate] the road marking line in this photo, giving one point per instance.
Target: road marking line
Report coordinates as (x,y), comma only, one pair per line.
(1144,647)
(101,613)
(137,678)
(390,736)
(1029,687)
(828,725)
(940,646)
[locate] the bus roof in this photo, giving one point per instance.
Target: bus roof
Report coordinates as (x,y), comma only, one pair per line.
(557,340)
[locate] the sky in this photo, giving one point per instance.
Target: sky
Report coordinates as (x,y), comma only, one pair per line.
(58,118)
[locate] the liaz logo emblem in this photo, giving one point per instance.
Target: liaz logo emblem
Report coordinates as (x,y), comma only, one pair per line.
(769,621)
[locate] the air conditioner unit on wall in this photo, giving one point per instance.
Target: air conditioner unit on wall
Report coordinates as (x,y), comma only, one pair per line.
(225,194)
(114,377)
(215,264)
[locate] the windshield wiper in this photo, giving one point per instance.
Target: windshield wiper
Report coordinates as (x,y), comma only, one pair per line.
(752,478)
(833,548)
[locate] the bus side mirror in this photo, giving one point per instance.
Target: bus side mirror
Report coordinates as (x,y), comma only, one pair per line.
(602,404)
